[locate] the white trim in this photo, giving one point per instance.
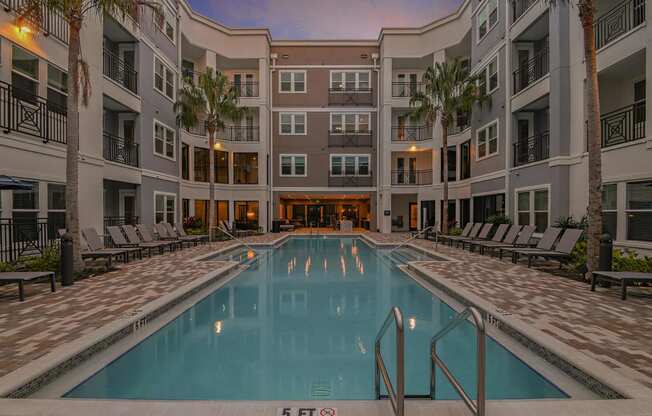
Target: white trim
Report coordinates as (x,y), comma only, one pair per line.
(174,140)
(293,157)
(357,123)
(487,177)
(292,82)
(531,190)
(292,115)
(324,109)
(174,77)
(357,81)
(159,175)
(357,157)
(322,66)
(477,134)
(328,189)
(165,211)
(489,193)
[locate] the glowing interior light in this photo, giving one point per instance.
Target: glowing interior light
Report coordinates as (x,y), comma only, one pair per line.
(218,327)
(412,323)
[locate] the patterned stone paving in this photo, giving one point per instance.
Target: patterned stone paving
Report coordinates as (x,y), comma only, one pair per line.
(614,332)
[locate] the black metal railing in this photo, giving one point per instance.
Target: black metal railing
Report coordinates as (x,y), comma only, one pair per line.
(51,21)
(245,89)
(120,150)
(350,96)
(406,88)
(623,125)
(358,138)
(532,149)
(411,133)
(519,7)
(411,177)
(120,71)
(27,237)
(349,181)
(457,128)
(531,71)
(618,21)
(228,133)
(116,221)
(24,112)
(198,129)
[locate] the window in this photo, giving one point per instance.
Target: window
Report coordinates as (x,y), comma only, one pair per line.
(292,81)
(465,161)
(639,211)
(292,123)
(487,141)
(26,204)
(163,79)
(24,75)
(162,22)
(489,77)
(245,168)
(488,206)
(246,214)
(201,210)
(201,164)
(346,123)
(221,167)
(293,165)
(164,141)
(350,81)
(57,89)
(244,84)
(452,164)
(349,165)
(165,207)
(610,209)
(487,18)
(532,209)
(185,162)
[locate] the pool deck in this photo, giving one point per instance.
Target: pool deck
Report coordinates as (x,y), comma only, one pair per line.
(597,326)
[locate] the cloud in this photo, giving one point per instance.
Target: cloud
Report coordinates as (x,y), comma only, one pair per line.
(325,19)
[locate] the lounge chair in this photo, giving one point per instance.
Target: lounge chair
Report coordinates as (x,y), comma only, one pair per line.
(523,240)
(465,233)
(182,233)
(96,248)
(233,231)
(23,277)
(471,234)
(119,240)
(545,244)
(509,240)
(133,238)
(482,236)
(148,238)
(498,237)
(561,252)
(163,234)
(195,239)
(623,279)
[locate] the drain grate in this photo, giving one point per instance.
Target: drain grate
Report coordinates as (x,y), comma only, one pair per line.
(320,389)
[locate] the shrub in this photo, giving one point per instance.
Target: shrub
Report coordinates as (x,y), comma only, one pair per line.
(6,267)
(623,260)
(190,223)
(455,231)
(499,219)
(570,222)
(48,261)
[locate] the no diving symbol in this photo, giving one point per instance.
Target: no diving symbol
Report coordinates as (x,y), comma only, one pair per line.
(327,411)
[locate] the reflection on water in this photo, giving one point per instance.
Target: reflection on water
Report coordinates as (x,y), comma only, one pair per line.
(290,327)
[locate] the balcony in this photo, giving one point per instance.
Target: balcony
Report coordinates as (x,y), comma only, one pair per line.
(25,113)
(250,134)
(52,22)
(120,71)
(531,71)
(350,96)
(349,181)
(406,89)
(532,149)
(403,134)
(621,19)
(624,125)
(247,89)
(120,150)
(519,7)
(411,177)
(358,138)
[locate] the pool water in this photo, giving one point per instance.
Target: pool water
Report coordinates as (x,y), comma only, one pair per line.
(299,324)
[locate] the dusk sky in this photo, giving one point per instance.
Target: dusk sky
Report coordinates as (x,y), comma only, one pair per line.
(324,19)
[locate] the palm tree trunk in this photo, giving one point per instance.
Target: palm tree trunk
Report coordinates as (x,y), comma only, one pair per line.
(444,161)
(211,183)
(592,109)
(72,140)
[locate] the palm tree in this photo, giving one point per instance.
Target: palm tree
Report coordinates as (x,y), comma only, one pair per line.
(448,90)
(75,12)
(211,100)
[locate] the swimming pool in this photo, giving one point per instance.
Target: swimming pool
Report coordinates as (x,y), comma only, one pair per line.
(299,324)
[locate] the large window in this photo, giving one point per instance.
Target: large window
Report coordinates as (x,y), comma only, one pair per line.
(57,88)
(292,123)
(164,140)
(487,141)
(24,74)
(292,81)
(165,207)
(201,164)
(532,208)
(56,207)
(487,18)
(465,160)
(185,161)
(488,206)
(221,210)
(293,165)
(164,79)
(350,123)
(639,211)
(489,77)
(245,168)
(610,209)
(350,81)
(26,204)
(452,164)
(246,214)
(349,165)
(221,166)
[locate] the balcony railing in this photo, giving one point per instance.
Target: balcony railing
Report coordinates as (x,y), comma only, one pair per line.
(457,129)
(350,96)
(532,149)
(27,236)
(623,125)
(246,89)
(52,21)
(120,71)
(23,112)
(358,138)
(406,88)
(411,177)
(229,133)
(349,181)
(531,71)
(411,134)
(120,150)
(618,21)
(519,7)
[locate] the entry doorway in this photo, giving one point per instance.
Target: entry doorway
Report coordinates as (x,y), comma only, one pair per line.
(127,206)
(413,216)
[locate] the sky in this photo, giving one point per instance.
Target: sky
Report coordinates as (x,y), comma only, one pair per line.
(324,19)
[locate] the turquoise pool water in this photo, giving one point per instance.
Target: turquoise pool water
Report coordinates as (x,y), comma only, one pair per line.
(299,324)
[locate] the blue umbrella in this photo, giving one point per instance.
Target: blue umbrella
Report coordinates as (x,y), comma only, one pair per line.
(7,182)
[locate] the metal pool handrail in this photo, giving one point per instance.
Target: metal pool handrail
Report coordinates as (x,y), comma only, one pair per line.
(396,397)
(477,407)
(237,239)
(411,238)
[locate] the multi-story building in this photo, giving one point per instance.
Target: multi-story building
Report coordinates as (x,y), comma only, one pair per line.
(328,133)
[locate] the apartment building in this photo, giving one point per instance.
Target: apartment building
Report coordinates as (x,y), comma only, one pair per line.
(327,133)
